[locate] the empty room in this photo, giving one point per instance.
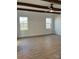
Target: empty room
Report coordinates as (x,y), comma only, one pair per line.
(38,29)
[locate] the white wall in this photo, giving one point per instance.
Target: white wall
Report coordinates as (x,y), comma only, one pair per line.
(57,24)
(36,23)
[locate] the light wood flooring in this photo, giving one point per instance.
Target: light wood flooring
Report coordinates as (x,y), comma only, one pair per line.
(44,47)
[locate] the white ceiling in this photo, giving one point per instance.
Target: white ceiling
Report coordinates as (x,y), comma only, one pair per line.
(39,2)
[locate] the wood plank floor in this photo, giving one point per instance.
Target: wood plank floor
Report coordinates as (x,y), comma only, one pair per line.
(44,47)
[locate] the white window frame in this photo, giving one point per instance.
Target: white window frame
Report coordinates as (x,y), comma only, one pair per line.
(23,24)
(48,23)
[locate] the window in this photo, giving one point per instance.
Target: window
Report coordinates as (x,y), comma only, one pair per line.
(23,23)
(48,23)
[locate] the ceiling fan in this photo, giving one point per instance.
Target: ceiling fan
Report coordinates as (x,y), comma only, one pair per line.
(51,8)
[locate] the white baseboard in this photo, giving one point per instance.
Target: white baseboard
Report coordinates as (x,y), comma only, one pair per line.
(35,36)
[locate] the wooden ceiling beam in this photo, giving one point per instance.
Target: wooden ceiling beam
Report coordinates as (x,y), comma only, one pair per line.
(37,11)
(53,1)
(36,6)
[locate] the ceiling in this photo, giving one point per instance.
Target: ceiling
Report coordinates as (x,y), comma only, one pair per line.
(38,2)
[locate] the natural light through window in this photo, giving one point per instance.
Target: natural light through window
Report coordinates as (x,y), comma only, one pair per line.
(23,23)
(48,23)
